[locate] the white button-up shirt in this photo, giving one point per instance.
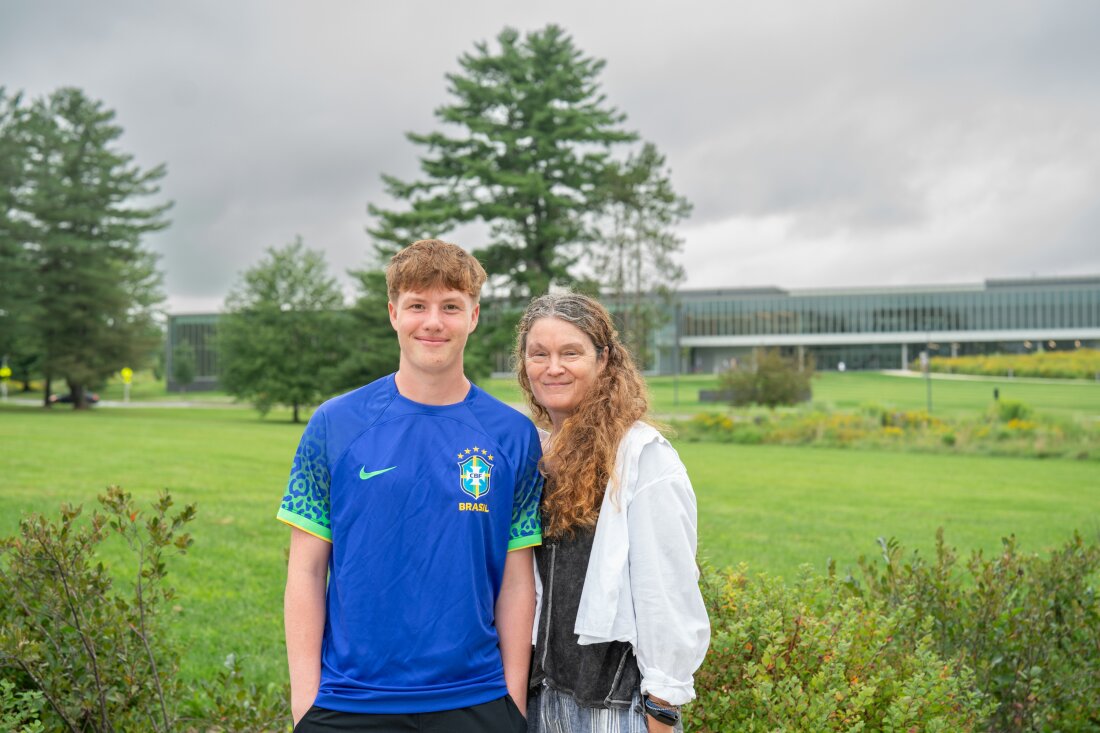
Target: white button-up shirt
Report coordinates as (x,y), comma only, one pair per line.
(642,584)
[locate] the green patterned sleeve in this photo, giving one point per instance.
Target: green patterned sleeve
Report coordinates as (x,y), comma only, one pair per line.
(305,504)
(526,522)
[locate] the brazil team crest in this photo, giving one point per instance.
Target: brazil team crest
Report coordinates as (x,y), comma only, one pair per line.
(475,469)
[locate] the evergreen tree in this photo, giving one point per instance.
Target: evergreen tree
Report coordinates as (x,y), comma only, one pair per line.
(284,330)
(532,153)
(17,342)
(94,289)
(372,343)
(636,267)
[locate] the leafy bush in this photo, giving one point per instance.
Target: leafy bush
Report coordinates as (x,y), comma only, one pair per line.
(813,657)
(771,381)
(19,709)
(1009,410)
(91,650)
(1028,627)
(83,651)
(231,704)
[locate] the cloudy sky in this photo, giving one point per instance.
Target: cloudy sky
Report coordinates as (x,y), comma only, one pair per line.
(848,143)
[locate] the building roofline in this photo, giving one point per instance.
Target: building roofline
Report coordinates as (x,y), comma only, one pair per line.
(988,284)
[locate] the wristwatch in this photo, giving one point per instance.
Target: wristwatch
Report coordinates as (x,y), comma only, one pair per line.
(667,715)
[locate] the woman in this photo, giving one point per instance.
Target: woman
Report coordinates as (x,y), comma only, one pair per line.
(621,626)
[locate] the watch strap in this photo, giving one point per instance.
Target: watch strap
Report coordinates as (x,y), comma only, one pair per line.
(662,714)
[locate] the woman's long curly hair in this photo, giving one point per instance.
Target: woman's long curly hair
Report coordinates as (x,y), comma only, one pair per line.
(579,461)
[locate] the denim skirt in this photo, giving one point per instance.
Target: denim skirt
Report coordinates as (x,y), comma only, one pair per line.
(551,711)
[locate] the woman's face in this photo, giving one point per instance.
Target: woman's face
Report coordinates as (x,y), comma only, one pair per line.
(562,365)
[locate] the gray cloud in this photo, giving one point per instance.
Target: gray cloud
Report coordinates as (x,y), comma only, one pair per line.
(855,142)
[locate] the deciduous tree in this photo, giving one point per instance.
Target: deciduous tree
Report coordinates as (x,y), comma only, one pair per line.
(636,264)
(283,331)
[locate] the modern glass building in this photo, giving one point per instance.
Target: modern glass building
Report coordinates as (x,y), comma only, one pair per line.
(880,328)
(200,331)
(865,328)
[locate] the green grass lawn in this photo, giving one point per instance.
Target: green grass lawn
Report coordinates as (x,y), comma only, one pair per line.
(679,396)
(672,396)
(230,463)
(955,396)
(778,507)
(772,507)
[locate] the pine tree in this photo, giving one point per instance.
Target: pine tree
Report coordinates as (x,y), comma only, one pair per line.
(95,289)
(17,342)
(372,344)
(530,158)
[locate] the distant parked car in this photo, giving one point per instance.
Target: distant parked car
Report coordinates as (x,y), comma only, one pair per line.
(67,399)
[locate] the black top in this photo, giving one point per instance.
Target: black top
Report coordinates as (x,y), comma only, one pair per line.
(595,675)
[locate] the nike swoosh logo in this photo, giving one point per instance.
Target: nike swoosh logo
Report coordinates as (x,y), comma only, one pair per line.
(365,474)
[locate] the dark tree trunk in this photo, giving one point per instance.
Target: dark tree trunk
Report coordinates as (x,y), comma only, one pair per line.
(80,396)
(46,393)
(296,412)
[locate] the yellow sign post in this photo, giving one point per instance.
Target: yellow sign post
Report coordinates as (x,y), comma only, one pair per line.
(5,375)
(127,375)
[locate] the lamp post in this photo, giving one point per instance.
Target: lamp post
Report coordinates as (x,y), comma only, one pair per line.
(676,360)
(927,379)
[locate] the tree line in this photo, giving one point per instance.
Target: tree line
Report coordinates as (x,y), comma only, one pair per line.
(528,148)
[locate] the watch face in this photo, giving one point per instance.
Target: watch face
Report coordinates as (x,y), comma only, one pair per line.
(666,718)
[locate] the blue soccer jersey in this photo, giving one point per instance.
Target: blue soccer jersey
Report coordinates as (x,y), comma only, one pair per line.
(421,504)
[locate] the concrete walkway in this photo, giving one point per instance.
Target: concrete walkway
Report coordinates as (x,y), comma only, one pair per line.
(128,405)
(984,378)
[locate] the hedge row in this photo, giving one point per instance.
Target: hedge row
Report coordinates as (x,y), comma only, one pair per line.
(1008,644)
(1076,364)
(1009,428)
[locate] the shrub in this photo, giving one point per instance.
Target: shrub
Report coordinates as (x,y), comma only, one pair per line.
(82,650)
(1008,410)
(19,709)
(1028,627)
(771,381)
(231,704)
(813,657)
(91,650)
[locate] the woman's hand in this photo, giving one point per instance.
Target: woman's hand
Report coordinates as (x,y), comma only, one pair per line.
(656,727)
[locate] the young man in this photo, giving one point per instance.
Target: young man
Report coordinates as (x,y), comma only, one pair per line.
(413,503)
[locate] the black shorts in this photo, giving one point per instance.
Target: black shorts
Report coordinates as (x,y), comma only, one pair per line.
(495,716)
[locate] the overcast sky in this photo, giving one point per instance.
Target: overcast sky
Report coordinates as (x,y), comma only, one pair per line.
(848,143)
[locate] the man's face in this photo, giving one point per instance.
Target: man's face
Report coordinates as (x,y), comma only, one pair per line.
(432,327)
